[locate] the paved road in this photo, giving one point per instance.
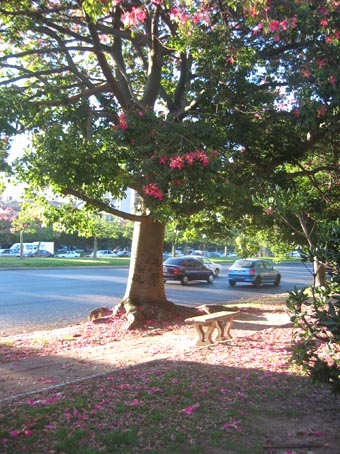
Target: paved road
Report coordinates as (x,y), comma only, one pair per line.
(35,298)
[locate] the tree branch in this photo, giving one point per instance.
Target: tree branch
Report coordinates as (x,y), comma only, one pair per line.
(103,206)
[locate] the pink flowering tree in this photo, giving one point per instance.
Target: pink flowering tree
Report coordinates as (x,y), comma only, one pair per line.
(186,103)
(7,216)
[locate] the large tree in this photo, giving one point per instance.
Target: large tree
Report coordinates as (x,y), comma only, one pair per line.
(107,88)
(178,100)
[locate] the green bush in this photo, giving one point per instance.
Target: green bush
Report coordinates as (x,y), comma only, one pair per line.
(315,313)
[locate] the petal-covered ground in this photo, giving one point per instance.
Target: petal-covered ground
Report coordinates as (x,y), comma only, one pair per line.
(153,391)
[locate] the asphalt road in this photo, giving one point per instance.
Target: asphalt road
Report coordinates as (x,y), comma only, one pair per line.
(38,298)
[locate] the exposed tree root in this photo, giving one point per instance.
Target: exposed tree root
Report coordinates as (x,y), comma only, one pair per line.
(137,314)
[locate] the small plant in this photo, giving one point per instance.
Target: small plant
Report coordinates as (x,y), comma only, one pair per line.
(315,313)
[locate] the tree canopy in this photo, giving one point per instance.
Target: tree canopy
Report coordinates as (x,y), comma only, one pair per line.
(195,105)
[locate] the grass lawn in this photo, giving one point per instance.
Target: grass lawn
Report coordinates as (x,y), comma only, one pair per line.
(53,262)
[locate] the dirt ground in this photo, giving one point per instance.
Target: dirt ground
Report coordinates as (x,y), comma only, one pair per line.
(35,373)
(31,374)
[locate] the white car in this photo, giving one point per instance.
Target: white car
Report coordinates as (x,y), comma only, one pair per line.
(69,255)
(216,268)
(102,253)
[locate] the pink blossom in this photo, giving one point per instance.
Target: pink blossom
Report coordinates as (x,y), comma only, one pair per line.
(293,22)
(190,158)
(253,12)
(134,402)
(322,62)
(163,160)
(176,162)
(152,190)
(306,73)
(202,157)
(284,24)
(333,80)
(133,17)
(14,433)
(274,26)
(201,16)
(190,410)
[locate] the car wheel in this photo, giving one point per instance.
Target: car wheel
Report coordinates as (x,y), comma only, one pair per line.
(258,281)
(210,278)
(232,283)
(185,280)
(217,272)
(277,280)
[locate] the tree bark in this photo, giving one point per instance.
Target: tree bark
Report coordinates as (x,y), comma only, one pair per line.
(145,297)
(319,273)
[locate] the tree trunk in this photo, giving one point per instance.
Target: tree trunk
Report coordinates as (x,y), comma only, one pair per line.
(21,244)
(144,297)
(319,273)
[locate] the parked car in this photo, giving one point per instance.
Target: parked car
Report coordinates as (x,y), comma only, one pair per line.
(166,256)
(254,271)
(185,269)
(102,253)
(40,253)
(216,268)
(69,255)
(212,254)
(124,253)
(6,253)
(294,254)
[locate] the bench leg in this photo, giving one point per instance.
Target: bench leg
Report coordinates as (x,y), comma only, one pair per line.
(223,330)
(204,337)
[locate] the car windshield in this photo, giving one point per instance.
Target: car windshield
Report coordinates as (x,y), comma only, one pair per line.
(244,264)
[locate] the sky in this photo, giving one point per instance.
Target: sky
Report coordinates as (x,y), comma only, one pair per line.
(14,191)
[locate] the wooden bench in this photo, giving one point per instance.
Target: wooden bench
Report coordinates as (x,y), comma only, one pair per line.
(221,321)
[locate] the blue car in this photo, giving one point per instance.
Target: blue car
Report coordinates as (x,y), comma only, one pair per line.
(254,271)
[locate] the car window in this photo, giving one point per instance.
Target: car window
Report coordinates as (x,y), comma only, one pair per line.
(196,264)
(267,265)
(245,263)
(173,261)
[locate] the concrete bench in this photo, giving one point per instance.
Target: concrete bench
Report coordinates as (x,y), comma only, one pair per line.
(221,321)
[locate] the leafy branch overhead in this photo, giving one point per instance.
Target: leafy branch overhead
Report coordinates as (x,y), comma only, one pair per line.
(173,99)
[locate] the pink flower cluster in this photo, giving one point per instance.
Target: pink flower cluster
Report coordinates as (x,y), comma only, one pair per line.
(179,161)
(134,17)
(275,26)
(122,123)
(152,190)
